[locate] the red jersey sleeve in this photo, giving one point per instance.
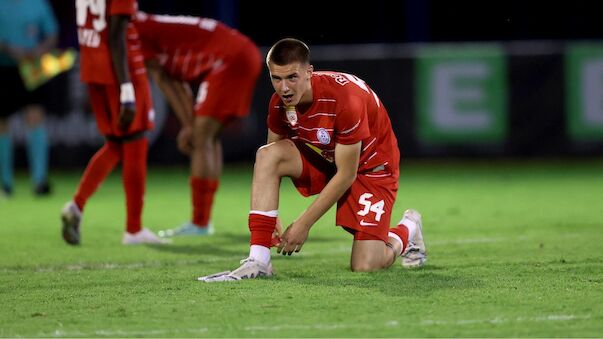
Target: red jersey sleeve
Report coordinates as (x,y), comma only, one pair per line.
(351,124)
(275,120)
(123,7)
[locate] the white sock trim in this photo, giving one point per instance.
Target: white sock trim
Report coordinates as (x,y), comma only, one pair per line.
(273,213)
(260,253)
(397,238)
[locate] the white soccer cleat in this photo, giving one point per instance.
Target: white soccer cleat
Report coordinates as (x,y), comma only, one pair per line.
(188,229)
(71,216)
(249,269)
(415,254)
(144,236)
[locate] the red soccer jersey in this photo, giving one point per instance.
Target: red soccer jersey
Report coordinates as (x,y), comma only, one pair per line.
(188,47)
(92,18)
(344,110)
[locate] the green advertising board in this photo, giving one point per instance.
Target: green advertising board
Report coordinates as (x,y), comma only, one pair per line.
(584,88)
(461,94)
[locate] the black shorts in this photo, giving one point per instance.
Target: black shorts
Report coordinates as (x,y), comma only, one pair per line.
(14,94)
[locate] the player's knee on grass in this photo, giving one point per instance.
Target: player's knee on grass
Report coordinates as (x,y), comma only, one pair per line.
(370,255)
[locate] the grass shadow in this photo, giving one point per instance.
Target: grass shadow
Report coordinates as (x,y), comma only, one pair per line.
(394,281)
(197,249)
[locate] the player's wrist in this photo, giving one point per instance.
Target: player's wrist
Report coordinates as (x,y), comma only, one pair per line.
(126,93)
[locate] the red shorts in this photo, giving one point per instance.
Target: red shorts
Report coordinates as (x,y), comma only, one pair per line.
(365,208)
(226,94)
(104,100)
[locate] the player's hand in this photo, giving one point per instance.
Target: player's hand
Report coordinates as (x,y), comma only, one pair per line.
(127,99)
(126,115)
(185,140)
(277,234)
(293,239)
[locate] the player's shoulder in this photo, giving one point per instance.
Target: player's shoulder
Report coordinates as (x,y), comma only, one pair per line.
(335,76)
(335,80)
(335,85)
(326,77)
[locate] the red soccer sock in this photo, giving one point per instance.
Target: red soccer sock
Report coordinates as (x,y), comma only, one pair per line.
(261,228)
(134,178)
(203,191)
(402,232)
(99,166)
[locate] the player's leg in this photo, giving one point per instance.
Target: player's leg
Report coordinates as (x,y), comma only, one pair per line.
(99,166)
(215,107)
(108,156)
(205,168)
(218,157)
(272,162)
(405,241)
(37,148)
(14,96)
(6,157)
(414,253)
(134,174)
(134,151)
(372,255)
(366,213)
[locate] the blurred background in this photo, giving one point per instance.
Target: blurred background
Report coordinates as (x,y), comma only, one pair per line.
(459,78)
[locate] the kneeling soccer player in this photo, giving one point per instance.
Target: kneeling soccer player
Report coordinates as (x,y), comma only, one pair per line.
(330,134)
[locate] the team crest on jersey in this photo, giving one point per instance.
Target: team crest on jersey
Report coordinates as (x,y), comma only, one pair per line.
(291,115)
(323,136)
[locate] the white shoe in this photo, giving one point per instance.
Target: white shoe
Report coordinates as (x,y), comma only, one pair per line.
(188,228)
(144,236)
(415,254)
(249,269)
(71,216)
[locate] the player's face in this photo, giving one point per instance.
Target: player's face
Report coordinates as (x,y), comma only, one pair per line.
(292,82)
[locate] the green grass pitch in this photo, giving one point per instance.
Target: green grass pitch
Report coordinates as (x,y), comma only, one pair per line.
(515,250)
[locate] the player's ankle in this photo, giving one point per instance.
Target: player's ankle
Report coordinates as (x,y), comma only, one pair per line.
(260,253)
